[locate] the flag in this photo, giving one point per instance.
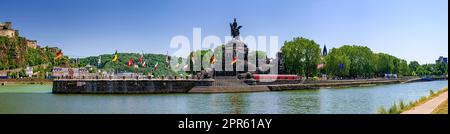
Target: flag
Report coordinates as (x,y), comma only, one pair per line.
(156,65)
(320,66)
(58,55)
(213,59)
(130,62)
(141,59)
(99,61)
(341,66)
(186,67)
(167,58)
(144,64)
(193,59)
(234,60)
(115,56)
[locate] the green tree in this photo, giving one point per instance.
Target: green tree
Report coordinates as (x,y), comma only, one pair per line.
(261,57)
(403,68)
(385,64)
(413,65)
(361,60)
(337,63)
(22,73)
(440,68)
(301,56)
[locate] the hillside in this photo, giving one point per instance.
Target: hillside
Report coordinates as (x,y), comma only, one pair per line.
(15,55)
(121,65)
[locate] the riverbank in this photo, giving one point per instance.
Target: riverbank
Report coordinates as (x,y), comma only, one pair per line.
(307,85)
(311,85)
(424,105)
(25,81)
(442,108)
(333,83)
(428,105)
(106,86)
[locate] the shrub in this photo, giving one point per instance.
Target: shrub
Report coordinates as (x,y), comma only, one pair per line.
(382,110)
(402,105)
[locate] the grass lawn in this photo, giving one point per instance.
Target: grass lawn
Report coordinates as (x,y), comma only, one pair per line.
(442,108)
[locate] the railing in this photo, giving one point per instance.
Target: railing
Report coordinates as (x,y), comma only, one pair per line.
(112,77)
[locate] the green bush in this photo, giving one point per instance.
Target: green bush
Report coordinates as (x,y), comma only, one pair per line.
(402,105)
(382,110)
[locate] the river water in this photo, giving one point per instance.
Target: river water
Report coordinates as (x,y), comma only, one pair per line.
(351,100)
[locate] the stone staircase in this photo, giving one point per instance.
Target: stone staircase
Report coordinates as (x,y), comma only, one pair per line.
(229,81)
(226,84)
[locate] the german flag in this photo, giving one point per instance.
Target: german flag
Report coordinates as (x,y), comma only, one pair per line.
(234,60)
(58,55)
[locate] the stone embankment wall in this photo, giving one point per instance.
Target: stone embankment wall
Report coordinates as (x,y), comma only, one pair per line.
(126,86)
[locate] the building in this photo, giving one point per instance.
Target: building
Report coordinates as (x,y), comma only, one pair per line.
(29,71)
(442,59)
(5,25)
(60,72)
(53,50)
(32,44)
(325,51)
(3,75)
(6,30)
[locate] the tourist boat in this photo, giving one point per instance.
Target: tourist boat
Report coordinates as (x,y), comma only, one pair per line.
(427,79)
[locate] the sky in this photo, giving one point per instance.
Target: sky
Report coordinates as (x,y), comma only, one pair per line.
(408,29)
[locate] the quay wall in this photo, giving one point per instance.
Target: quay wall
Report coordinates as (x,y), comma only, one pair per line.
(333,84)
(126,86)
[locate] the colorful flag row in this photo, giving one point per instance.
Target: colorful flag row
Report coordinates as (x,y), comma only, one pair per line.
(131,61)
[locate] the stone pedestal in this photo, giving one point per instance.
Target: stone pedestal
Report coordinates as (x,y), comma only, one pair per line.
(234,48)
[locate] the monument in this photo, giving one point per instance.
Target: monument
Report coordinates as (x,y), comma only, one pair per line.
(234,56)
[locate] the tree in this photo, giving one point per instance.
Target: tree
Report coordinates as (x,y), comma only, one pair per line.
(337,63)
(261,57)
(22,73)
(413,66)
(440,68)
(361,60)
(385,64)
(301,56)
(403,68)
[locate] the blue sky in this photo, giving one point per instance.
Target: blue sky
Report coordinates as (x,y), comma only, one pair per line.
(408,29)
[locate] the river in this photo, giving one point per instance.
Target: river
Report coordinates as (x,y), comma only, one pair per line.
(38,99)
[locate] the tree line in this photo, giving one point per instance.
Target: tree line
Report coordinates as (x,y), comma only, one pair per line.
(302,57)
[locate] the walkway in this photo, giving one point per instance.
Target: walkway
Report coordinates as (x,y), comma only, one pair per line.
(429,106)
